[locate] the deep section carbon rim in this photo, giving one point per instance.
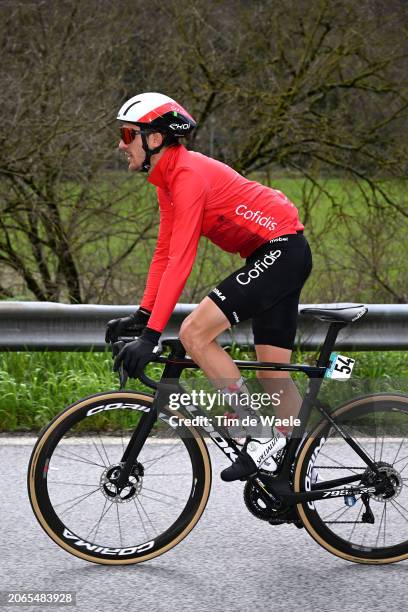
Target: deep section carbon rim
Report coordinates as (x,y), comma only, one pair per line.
(371,528)
(72,481)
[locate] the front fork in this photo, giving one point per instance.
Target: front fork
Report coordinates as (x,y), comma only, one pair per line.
(136,443)
(148,419)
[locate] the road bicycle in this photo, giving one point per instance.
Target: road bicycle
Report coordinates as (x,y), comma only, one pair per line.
(113,480)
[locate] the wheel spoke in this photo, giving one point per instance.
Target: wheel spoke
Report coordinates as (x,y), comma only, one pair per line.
(375,446)
(357,520)
(120,531)
(323,454)
(77,457)
(160,501)
(99,453)
(342,509)
(172,474)
(400,505)
(80,499)
(395,505)
(71,484)
(98,522)
(382,447)
(379,526)
(161,493)
(401,459)
(104,449)
(403,468)
(156,459)
(399,448)
(385,522)
(140,517)
(147,516)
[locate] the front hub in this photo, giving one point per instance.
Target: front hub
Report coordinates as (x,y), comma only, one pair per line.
(133,487)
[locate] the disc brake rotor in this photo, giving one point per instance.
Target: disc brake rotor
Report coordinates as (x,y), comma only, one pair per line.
(132,488)
(395,480)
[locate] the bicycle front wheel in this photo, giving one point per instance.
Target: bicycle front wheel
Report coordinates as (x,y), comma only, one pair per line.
(72,473)
(370,529)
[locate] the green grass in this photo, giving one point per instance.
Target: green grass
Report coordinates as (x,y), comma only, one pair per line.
(35,386)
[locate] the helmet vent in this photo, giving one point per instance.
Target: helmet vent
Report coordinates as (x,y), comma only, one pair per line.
(130,106)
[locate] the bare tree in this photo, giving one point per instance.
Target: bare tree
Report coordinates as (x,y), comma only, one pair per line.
(293,83)
(66,223)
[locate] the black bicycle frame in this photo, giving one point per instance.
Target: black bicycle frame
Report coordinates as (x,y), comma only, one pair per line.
(276,488)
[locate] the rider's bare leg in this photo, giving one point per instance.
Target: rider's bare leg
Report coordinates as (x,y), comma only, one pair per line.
(279,382)
(197,334)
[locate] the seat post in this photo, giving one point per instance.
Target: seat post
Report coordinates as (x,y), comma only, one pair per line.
(329,342)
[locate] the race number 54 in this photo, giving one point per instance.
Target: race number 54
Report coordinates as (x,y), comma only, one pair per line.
(340,367)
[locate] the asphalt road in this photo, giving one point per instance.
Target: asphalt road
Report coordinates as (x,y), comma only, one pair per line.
(231,561)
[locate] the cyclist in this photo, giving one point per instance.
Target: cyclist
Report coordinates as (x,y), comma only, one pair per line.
(199,196)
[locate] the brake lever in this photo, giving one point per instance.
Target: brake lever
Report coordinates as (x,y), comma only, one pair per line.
(123,375)
(144,378)
(117,347)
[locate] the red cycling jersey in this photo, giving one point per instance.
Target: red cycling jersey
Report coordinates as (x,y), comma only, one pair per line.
(200,196)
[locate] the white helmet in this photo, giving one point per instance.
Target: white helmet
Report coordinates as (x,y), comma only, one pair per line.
(155,111)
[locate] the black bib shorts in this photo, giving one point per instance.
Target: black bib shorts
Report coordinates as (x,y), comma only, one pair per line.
(267,290)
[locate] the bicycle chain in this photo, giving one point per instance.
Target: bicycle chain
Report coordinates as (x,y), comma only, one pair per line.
(345,523)
(279,521)
(273,521)
(337,467)
(299,522)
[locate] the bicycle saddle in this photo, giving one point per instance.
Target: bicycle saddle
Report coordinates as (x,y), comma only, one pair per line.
(345,314)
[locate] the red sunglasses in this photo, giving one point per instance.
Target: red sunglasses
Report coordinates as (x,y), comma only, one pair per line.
(129,134)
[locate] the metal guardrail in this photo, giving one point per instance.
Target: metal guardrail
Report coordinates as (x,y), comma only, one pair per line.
(66,327)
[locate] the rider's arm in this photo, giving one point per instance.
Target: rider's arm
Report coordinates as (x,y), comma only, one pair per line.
(189,193)
(161,253)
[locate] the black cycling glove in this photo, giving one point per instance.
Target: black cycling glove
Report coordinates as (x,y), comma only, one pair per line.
(136,354)
(133,325)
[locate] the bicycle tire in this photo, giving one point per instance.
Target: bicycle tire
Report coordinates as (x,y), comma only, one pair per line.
(54,451)
(369,408)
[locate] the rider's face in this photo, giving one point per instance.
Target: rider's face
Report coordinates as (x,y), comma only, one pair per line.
(134,151)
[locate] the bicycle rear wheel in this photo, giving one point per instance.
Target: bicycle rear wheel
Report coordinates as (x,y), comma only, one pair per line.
(72,472)
(379,423)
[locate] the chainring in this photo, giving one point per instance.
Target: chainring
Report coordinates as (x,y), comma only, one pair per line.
(259,508)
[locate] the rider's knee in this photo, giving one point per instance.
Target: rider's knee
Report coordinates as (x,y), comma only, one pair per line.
(188,334)
(192,335)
